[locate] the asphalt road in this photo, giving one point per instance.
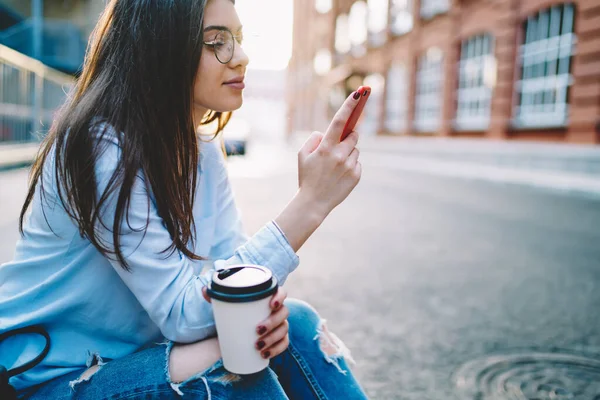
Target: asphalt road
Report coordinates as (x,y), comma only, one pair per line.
(443,288)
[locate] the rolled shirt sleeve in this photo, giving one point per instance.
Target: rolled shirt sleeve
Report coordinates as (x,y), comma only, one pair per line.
(268,247)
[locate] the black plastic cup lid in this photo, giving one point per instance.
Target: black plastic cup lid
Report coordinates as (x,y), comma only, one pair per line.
(242,283)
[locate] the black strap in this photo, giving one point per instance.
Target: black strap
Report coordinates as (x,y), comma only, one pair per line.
(5,388)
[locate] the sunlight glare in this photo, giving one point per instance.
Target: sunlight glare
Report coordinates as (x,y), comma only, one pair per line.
(267,32)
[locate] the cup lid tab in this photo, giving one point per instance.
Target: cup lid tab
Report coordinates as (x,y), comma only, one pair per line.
(242,279)
(243,276)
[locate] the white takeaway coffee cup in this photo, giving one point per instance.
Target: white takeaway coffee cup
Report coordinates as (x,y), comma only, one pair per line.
(240,297)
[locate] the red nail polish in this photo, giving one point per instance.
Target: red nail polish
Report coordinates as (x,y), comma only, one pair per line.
(261,330)
(276,304)
(266,354)
(260,344)
(356,95)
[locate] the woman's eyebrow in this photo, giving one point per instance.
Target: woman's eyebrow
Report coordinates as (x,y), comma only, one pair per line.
(220,28)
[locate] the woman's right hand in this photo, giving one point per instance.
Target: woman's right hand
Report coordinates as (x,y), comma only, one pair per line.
(328,170)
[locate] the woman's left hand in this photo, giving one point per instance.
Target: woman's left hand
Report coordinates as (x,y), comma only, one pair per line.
(272,333)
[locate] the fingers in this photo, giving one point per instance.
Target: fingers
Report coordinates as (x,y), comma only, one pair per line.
(334,131)
(311,144)
(205,294)
(277,348)
(347,145)
(358,171)
(351,139)
(273,331)
(271,341)
(352,160)
(275,319)
(278,299)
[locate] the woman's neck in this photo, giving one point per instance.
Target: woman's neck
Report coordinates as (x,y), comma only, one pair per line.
(199,113)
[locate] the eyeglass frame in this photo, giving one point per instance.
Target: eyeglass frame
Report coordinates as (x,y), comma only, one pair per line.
(212,45)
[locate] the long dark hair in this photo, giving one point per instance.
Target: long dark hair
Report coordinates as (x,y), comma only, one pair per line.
(138,77)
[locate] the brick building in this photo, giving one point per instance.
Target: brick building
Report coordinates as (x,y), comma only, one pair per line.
(498,69)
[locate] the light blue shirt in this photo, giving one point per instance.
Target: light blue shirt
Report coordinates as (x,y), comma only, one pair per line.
(89,304)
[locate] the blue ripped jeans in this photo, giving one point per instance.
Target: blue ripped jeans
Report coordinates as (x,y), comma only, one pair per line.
(303,371)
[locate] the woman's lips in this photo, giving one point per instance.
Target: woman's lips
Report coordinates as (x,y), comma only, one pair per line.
(236,85)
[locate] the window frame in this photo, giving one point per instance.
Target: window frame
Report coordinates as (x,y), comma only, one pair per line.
(377,39)
(341,31)
(431,8)
(429,72)
(396,11)
(358,48)
(537,52)
(370,122)
(476,53)
(396,101)
(320,10)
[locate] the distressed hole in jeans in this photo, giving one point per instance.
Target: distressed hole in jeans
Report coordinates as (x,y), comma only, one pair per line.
(326,341)
(195,361)
(94,362)
(89,372)
(332,347)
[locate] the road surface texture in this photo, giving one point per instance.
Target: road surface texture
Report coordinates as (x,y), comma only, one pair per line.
(442,287)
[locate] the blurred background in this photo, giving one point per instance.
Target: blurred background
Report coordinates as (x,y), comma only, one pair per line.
(466,264)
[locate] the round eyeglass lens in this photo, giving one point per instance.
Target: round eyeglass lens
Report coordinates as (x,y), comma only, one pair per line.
(223,45)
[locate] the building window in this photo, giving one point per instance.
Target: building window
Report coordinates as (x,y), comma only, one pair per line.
(323,6)
(396,102)
(431,8)
(336,97)
(369,122)
(428,100)
(377,22)
(342,34)
(402,16)
(322,62)
(545,70)
(358,32)
(476,78)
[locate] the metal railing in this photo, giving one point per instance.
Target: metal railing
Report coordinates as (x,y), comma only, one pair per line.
(62,45)
(30,93)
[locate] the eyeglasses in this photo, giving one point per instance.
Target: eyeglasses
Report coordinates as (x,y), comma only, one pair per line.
(223,45)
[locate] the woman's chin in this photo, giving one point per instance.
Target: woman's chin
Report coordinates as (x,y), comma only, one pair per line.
(232,105)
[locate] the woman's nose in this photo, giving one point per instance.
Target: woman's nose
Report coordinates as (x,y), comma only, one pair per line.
(239,57)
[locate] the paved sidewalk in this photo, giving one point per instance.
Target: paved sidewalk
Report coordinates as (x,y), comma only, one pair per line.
(560,157)
(564,167)
(558,166)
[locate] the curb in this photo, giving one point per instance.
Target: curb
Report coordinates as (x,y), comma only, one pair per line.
(528,156)
(17,155)
(552,157)
(582,184)
(560,167)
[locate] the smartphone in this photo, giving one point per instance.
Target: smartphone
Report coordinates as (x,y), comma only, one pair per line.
(365,92)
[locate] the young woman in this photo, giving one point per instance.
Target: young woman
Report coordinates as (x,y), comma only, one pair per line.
(126,207)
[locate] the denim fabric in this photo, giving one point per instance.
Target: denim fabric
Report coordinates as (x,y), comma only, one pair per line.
(303,371)
(89,304)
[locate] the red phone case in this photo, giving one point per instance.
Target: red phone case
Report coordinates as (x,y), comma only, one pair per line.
(365,92)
